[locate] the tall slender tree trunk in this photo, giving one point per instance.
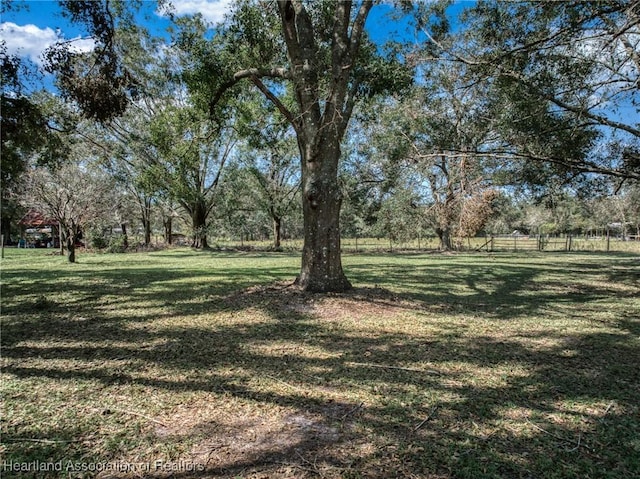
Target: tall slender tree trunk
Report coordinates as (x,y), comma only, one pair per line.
(61,239)
(146,220)
(444,235)
(147,232)
(125,241)
(5,227)
(277,232)
(168,230)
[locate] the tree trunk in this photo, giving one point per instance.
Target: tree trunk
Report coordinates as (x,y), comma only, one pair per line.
(145,217)
(5,228)
(444,235)
(125,242)
(168,230)
(277,232)
(320,126)
(147,221)
(71,246)
(199,221)
(147,232)
(61,240)
(321,269)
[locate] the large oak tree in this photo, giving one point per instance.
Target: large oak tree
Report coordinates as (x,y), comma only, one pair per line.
(321,53)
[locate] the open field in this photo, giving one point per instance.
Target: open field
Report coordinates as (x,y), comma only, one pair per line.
(208,364)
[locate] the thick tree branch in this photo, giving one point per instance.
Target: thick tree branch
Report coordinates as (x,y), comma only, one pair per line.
(502,70)
(604,121)
(276,101)
(302,51)
(358,28)
(340,39)
(581,166)
(281,73)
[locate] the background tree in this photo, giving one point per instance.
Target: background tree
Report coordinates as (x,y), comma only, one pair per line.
(537,218)
(269,161)
(162,146)
(440,134)
(74,195)
(128,151)
(475,213)
(192,154)
(632,199)
(238,215)
(399,216)
(124,151)
(507,214)
(132,176)
(26,133)
(365,176)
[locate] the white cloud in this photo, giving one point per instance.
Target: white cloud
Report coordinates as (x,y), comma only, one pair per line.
(212,10)
(82,45)
(27,40)
(30,41)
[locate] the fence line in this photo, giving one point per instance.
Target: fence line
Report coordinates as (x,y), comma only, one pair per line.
(495,243)
(559,243)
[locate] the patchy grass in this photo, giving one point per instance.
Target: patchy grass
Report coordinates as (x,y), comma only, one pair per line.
(209,364)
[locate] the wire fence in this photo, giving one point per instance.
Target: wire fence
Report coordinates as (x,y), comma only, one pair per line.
(493,243)
(560,243)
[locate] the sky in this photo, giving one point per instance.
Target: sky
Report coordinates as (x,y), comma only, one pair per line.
(38,24)
(30,30)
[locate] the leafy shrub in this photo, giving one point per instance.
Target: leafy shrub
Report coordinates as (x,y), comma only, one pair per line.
(96,239)
(117,244)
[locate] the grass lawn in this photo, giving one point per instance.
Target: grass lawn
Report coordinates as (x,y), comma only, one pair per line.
(207,364)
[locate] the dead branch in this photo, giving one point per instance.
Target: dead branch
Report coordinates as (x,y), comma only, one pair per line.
(350,412)
(424,421)
(560,438)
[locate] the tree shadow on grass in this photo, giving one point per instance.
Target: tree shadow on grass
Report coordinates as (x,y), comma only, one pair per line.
(505,292)
(367,402)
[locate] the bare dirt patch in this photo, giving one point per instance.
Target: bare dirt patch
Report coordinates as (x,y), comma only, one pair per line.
(243,441)
(290,300)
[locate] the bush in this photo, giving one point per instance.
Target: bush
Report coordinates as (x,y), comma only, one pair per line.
(96,239)
(117,244)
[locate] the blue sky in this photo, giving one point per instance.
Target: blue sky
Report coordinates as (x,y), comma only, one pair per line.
(28,31)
